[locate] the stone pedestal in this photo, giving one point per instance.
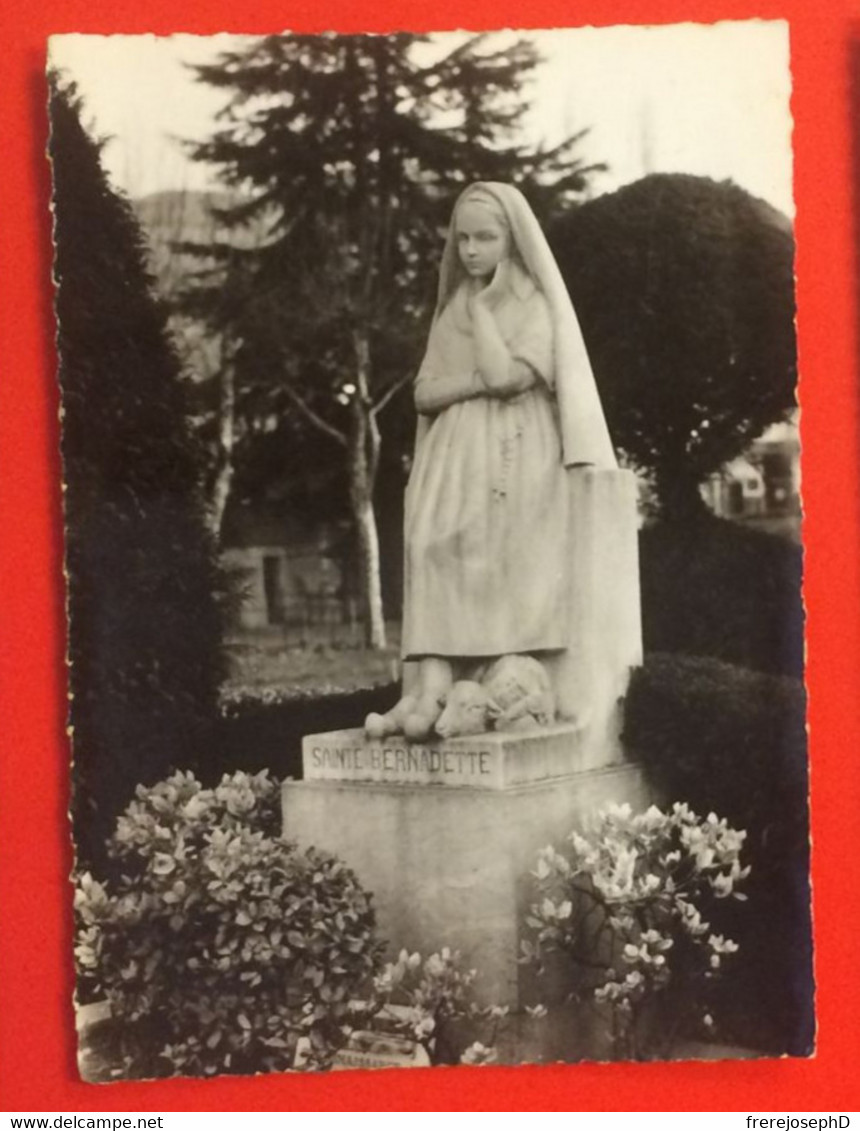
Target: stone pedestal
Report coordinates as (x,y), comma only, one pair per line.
(445,835)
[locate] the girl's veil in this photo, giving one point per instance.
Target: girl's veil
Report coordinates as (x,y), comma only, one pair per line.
(584,434)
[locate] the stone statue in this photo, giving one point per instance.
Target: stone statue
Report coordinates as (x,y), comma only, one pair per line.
(507,404)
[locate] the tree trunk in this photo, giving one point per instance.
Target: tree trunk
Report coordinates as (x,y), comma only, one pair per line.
(364,463)
(369,545)
(679,497)
(226,436)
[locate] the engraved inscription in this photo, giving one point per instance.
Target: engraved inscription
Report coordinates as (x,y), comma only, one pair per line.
(399,762)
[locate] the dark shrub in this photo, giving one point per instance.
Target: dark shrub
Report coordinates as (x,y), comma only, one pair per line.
(685,291)
(713,588)
(144,626)
(732,741)
(265,731)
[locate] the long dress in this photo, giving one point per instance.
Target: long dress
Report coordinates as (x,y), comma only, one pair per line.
(486,504)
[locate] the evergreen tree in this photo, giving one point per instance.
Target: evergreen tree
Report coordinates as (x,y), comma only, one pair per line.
(685,291)
(144,627)
(352,151)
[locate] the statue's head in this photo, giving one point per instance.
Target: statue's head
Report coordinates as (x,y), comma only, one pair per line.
(482,232)
(491,222)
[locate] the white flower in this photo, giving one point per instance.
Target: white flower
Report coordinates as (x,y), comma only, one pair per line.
(478,1054)
(723,885)
(195,807)
(434,966)
(162,864)
(536,1010)
(621,881)
(650,884)
(720,945)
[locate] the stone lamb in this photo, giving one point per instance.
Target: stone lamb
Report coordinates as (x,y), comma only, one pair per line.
(515,693)
(520,693)
(466,710)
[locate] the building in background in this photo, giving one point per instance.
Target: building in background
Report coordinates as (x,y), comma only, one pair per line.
(762,487)
(291,582)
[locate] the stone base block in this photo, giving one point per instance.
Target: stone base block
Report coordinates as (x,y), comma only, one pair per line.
(450,867)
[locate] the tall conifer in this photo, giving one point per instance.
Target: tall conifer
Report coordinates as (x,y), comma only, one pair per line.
(144,624)
(352,148)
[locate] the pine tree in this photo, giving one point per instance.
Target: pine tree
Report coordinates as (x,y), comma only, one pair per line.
(353,151)
(144,626)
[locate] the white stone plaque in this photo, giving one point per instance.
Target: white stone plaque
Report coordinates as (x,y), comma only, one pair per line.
(484,761)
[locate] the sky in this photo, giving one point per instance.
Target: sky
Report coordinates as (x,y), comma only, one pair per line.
(712,100)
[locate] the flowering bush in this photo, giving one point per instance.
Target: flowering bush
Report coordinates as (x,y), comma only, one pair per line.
(420,998)
(221,945)
(180,812)
(627,901)
(733,740)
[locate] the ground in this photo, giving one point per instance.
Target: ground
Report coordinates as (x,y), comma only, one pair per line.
(317,664)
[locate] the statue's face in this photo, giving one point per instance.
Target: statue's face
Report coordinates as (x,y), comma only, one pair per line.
(483,241)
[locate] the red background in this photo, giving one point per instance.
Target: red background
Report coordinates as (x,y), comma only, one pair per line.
(37,1056)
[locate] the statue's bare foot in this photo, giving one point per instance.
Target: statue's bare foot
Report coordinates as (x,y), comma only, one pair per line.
(418,726)
(377,727)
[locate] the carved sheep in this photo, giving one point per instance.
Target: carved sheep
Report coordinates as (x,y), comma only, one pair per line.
(466,710)
(520,693)
(514,694)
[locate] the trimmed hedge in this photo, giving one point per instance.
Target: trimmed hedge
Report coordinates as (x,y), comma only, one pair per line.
(715,588)
(265,732)
(695,354)
(733,741)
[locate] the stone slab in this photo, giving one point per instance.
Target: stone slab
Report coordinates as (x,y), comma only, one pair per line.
(372,1049)
(451,867)
(604,621)
(484,761)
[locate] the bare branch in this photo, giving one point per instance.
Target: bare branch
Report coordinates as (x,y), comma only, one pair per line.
(390,392)
(314,417)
